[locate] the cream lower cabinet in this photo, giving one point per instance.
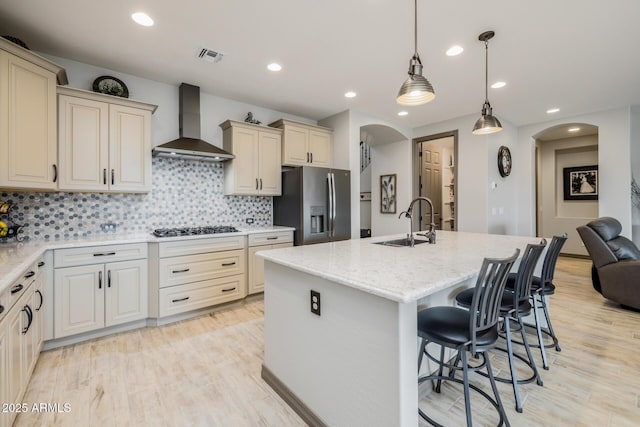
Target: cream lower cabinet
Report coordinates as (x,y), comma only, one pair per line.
(256,168)
(305,145)
(95,296)
(262,242)
(28,157)
(196,274)
(20,338)
(104,142)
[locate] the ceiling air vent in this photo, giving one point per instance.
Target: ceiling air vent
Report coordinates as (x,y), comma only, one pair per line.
(210,55)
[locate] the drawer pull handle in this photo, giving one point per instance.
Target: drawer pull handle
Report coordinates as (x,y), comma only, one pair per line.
(227,264)
(229,289)
(180,271)
(41,299)
(104,254)
(272,238)
(30,274)
(1,309)
(16,289)
(180,299)
(41,264)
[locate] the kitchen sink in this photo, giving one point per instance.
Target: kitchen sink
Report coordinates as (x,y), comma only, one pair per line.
(401,242)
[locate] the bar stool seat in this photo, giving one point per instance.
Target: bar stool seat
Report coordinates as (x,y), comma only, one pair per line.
(450,325)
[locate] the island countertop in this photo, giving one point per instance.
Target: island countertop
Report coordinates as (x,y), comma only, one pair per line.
(401,274)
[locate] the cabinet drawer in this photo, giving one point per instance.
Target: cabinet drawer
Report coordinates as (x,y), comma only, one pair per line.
(199,246)
(270,238)
(98,254)
(19,287)
(193,268)
(192,296)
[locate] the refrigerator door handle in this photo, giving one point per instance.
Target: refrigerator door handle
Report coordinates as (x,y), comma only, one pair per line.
(331,201)
(335,201)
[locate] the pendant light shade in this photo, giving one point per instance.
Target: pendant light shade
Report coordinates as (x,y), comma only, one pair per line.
(487,123)
(416,90)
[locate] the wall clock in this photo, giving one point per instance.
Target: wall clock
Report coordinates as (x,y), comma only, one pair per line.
(504,161)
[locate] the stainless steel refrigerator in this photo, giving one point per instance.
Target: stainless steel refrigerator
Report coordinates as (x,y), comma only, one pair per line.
(317,202)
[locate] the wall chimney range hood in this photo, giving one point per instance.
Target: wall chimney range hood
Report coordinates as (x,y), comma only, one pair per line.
(189,145)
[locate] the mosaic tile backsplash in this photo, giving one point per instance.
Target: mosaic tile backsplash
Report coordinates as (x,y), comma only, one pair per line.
(184,193)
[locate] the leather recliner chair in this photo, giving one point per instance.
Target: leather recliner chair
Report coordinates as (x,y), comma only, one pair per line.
(616,261)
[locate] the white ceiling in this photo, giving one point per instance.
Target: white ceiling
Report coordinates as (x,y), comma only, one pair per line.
(577,55)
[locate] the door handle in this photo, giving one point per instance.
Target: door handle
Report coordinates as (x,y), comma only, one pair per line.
(311,157)
(104,176)
(335,204)
(261,183)
(55,173)
(307,157)
(99,279)
(29,312)
(41,299)
(256,183)
(113,176)
(330,202)
(108,278)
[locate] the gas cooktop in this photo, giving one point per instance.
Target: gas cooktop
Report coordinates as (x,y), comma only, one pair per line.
(193,231)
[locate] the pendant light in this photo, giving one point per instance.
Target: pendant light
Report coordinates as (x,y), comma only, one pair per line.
(487,123)
(416,90)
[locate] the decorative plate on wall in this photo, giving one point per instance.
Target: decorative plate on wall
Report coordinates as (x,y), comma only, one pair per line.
(111,86)
(504,161)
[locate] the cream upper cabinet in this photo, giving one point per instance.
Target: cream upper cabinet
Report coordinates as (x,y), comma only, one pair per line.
(305,145)
(28,157)
(255,170)
(104,142)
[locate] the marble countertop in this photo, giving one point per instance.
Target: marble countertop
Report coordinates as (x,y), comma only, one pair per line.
(17,257)
(400,274)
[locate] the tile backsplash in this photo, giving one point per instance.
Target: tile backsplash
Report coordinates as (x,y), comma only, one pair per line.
(184,193)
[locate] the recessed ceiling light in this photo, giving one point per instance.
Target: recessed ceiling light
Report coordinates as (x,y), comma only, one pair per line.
(350,94)
(274,66)
(576,129)
(498,85)
(403,113)
(455,50)
(142,19)
(552,110)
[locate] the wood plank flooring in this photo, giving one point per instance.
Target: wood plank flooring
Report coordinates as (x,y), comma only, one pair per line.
(206,372)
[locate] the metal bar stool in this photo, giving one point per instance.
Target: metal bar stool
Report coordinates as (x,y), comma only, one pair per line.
(541,288)
(514,305)
(474,331)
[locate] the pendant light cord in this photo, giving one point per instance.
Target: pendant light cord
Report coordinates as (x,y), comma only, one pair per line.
(415,28)
(486,71)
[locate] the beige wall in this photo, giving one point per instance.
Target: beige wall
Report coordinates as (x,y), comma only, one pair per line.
(556,215)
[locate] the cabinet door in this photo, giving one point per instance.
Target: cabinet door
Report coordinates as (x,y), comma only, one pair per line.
(27,124)
(78,299)
(270,164)
(256,269)
(17,320)
(320,148)
(37,325)
(4,368)
(245,165)
(83,143)
(126,292)
(295,147)
(129,149)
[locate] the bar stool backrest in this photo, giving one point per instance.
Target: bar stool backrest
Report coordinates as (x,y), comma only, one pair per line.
(549,264)
(522,286)
(485,305)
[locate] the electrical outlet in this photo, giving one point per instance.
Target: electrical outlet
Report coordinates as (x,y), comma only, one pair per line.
(249,220)
(315,302)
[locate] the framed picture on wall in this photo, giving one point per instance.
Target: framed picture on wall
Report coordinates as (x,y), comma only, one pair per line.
(388,194)
(580,183)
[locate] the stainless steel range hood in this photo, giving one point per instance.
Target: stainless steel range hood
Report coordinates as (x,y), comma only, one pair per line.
(189,145)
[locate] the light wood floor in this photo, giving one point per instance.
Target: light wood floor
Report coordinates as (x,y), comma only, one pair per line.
(206,372)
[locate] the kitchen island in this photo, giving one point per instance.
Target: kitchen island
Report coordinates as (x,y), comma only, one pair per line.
(355,363)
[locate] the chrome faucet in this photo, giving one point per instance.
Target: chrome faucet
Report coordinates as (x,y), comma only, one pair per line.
(431,234)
